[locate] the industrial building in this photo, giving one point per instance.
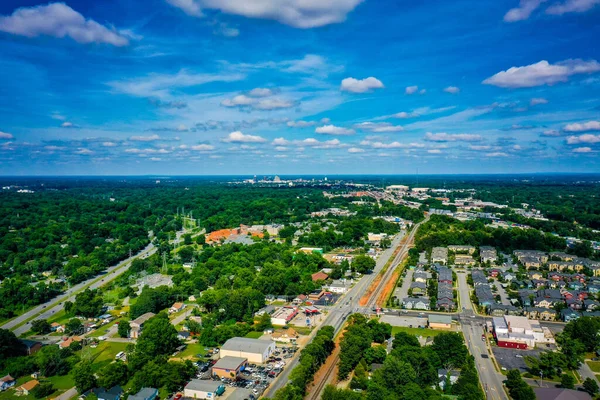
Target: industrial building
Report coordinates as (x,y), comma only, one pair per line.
(255,350)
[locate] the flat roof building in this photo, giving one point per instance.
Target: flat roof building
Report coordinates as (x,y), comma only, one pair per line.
(255,350)
(198,389)
(229,367)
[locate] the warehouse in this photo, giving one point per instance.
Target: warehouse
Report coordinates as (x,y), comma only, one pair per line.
(255,350)
(198,389)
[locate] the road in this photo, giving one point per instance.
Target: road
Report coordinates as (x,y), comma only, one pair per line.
(338,314)
(472,328)
(586,372)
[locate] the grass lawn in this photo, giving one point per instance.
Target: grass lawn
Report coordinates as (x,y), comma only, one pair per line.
(62,382)
(594,366)
(102,355)
(416,331)
(254,335)
(191,350)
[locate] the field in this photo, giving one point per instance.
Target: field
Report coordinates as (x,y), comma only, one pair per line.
(594,366)
(416,331)
(103,354)
(254,335)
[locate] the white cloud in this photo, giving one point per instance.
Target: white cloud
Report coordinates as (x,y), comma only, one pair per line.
(586,126)
(299,14)
(378,127)
(59,20)
(392,145)
(203,147)
(280,142)
(280,156)
(68,124)
(58,116)
(281,148)
(223,29)
(542,73)
(523,11)
(273,104)
(150,138)
(569,6)
(479,148)
(587,138)
(452,90)
(355,150)
(434,151)
(447,137)
(537,100)
(160,85)
(239,137)
(4,135)
(109,144)
(551,133)
(256,100)
(306,124)
(316,144)
(582,150)
(334,130)
(260,92)
(155,159)
(360,85)
(54,148)
(404,115)
(496,154)
(411,89)
(83,152)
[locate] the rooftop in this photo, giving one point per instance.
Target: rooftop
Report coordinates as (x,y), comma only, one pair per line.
(229,362)
(247,345)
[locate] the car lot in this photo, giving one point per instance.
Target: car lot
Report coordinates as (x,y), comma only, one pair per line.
(513,358)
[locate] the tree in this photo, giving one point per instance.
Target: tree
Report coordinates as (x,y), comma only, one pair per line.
(201,239)
(10,345)
(113,374)
(567,381)
(44,389)
(451,350)
(88,304)
(74,327)
(363,264)
(375,355)
(517,387)
(402,339)
(84,376)
(53,361)
(590,386)
(159,337)
(124,328)
(187,239)
(40,326)
(264,322)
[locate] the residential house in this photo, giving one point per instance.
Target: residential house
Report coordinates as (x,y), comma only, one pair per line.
(560,394)
(183,335)
(113,393)
(499,310)
(591,305)
(531,262)
(464,259)
(66,342)
(445,376)
(319,276)
(31,346)
(286,336)
(144,394)
(56,327)
(416,303)
(568,314)
(7,382)
(418,288)
(301,298)
(446,304)
(461,249)
(495,272)
(27,387)
(444,275)
(561,256)
(138,324)
(574,304)
(509,276)
(439,255)
(339,286)
(420,276)
(534,275)
(176,307)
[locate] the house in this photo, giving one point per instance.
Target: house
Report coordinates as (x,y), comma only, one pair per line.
(27,387)
(56,327)
(339,286)
(420,277)
(301,298)
(487,254)
(229,367)
(418,288)
(319,276)
(591,305)
(285,336)
(31,346)
(439,321)
(444,275)
(199,389)
(544,314)
(176,307)
(144,394)
(568,314)
(7,382)
(138,323)
(183,335)
(461,249)
(509,276)
(535,275)
(439,255)
(444,376)
(463,259)
(416,303)
(498,310)
(560,394)
(113,393)
(68,341)
(265,310)
(255,350)
(495,272)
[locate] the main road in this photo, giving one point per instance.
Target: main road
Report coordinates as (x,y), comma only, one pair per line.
(349,303)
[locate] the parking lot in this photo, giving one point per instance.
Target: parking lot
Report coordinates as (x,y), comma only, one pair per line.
(513,358)
(407,322)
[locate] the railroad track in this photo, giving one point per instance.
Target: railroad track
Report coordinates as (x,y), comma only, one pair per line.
(315,394)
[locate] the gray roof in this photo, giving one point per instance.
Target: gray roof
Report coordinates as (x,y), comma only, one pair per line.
(229,362)
(203,386)
(440,319)
(143,394)
(247,345)
(143,318)
(560,394)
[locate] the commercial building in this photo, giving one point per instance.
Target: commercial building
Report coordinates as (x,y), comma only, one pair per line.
(229,367)
(519,332)
(255,350)
(283,316)
(440,321)
(198,389)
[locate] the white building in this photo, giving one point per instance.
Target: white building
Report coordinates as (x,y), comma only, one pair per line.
(514,330)
(198,389)
(255,350)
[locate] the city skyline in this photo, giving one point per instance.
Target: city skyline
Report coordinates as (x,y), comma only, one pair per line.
(277,87)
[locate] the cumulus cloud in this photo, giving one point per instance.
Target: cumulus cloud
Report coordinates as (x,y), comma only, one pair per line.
(392,145)
(5,135)
(582,150)
(316,144)
(280,142)
(355,150)
(496,154)
(299,14)
(68,124)
(434,151)
(239,137)
(334,130)
(59,20)
(306,124)
(109,144)
(523,11)
(583,127)
(150,138)
(168,104)
(202,147)
(378,127)
(537,100)
(479,148)
(353,85)
(447,137)
(411,89)
(570,6)
(260,92)
(452,90)
(588,138)
(404,115)
(542,73)
(258,99)
(551,133)
(83,151)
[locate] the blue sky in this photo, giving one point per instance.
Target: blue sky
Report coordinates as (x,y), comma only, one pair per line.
(289,86)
